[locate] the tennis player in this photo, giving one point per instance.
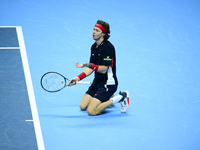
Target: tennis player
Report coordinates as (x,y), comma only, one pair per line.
(103,62)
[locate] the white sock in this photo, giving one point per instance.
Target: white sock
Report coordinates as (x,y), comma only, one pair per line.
(116,99)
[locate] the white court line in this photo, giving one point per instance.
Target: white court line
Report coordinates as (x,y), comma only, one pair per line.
(28,120)
(29,85)
(9,47)
(9,26)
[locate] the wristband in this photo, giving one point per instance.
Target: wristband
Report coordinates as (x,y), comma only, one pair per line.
(82,75)
(93,67)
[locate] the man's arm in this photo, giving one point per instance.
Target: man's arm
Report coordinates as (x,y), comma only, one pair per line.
(84,74)
(99,68)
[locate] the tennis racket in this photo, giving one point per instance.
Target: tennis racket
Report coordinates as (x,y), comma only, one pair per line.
(54,82)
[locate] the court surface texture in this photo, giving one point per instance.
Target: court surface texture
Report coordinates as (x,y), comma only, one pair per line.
(158,61)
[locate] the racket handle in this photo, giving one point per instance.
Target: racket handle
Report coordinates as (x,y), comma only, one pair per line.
(84,82)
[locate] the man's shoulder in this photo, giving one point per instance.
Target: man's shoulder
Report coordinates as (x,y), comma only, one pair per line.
(93,45)
(109,44)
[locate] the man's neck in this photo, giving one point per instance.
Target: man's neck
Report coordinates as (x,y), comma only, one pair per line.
(98,42)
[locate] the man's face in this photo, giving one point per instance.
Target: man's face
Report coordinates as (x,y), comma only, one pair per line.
(97,34)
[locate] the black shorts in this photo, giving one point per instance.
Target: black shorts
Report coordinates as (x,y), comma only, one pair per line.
(101,92)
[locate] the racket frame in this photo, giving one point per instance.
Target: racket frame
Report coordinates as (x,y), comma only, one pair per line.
(55,73)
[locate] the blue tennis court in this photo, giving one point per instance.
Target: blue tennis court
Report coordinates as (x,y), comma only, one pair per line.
(157,47)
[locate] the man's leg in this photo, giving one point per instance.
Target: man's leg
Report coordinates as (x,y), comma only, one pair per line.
(85,102)
(95,106)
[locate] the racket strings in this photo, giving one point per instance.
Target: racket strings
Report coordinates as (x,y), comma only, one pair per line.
(53,82)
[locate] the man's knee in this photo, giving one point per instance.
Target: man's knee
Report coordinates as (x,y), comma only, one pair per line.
(92,109)
(83,108)
(92,112)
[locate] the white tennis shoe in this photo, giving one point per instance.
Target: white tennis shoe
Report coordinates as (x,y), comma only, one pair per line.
(124,101)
